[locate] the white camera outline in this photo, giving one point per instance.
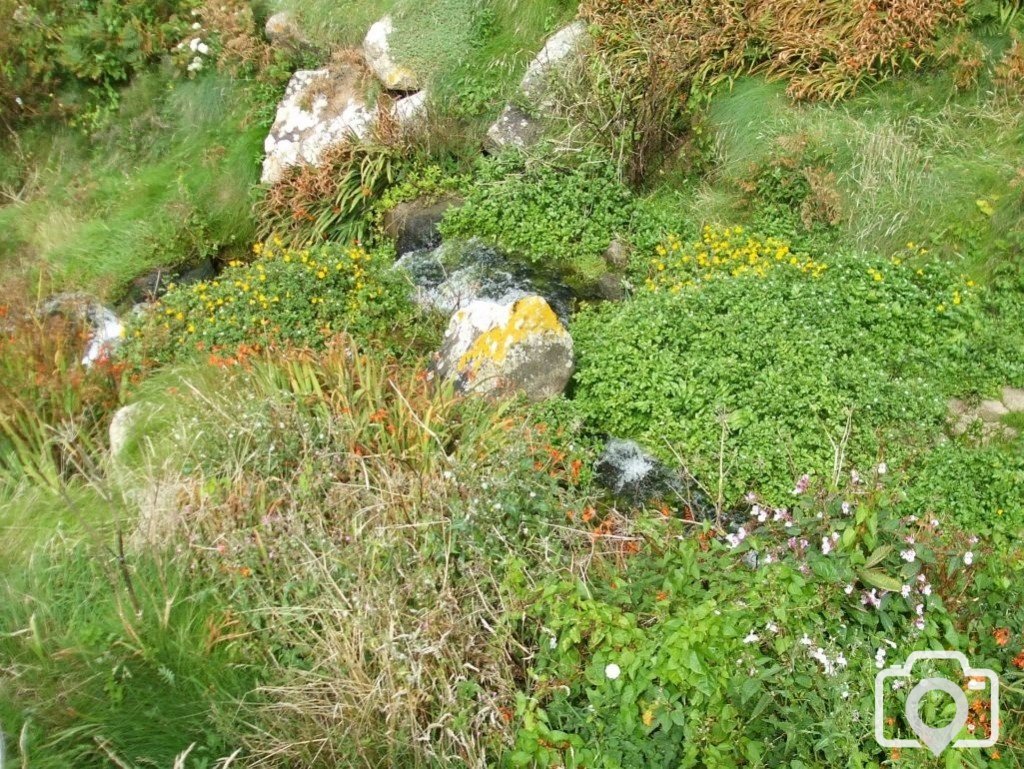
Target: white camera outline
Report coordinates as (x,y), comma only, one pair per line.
(904,671)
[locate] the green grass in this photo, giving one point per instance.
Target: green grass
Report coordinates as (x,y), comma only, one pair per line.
(911,159)
(167,182)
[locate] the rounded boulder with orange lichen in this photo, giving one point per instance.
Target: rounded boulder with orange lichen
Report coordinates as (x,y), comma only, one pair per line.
(514,347)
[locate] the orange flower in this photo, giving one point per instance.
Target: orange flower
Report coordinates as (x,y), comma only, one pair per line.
(1019,660)
(1002,635)
(588,514)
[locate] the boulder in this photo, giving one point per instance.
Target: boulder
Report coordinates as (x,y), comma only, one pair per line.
(154,283)
(454,275)
(103,328)
(517,347)
(521,128)
(560,50)
(413,224)
(377,50)
(514,128)
(321,108)
(411,111)
(282,31)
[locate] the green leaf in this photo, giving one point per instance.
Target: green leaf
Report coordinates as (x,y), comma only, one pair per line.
(879,579)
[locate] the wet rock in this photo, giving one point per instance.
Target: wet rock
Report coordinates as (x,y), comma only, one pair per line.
(413,224)
(104,328)
(321,108)
(636,476)
(517,347)
(456,274)
(380,58)
(154,283)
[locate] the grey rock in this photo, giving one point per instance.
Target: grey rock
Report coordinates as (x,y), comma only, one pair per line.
(633,474)
(1013,399)
(514,128)
(413,224)
(616,255)
(992,411)
(282,31)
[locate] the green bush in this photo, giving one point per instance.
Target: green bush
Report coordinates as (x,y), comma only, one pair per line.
(561,217)
(782,361)
(295,297)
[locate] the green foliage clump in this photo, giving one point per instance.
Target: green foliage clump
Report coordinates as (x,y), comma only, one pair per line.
(684,654)
(560,217)
(290,296)
(51,43)
(785,361)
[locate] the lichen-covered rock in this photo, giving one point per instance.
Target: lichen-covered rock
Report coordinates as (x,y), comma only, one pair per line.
(562,48)
(377,49)
(520,347)
(104,328)
(514,128)
(321,108)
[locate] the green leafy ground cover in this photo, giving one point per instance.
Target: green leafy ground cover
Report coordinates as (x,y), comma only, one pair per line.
(306,552)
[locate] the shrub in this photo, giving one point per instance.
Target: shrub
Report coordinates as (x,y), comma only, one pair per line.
(285,296)
(331,201)
(52,408)
(557,216)
(691,651)
(782,361)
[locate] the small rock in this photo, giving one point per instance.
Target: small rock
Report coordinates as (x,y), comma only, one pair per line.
(413,224)
(514,128)
(321,108)
(522,347)
(105,328)
(379,58)
(1013,399)
(411,111)
(282,31)
(992,411)
(616,255)
(609,287)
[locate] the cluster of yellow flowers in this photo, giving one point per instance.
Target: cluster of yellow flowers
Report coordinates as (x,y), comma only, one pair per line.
(279,280)
(728,252)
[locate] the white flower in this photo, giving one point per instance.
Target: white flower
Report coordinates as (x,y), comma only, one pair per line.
(197,25)
(926,589)
(752,638)
(612,671)
(553,643)
(848,589)
(909,555)
(919,623)
(18,101)
(203,48)
(194,43)
(806,640)
(846,508)
(905,591)
(883,468)
(195,65)
(826,546)
(968,558)
(771,627)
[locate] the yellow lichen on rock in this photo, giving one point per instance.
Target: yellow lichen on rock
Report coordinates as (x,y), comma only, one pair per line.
(531,315)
